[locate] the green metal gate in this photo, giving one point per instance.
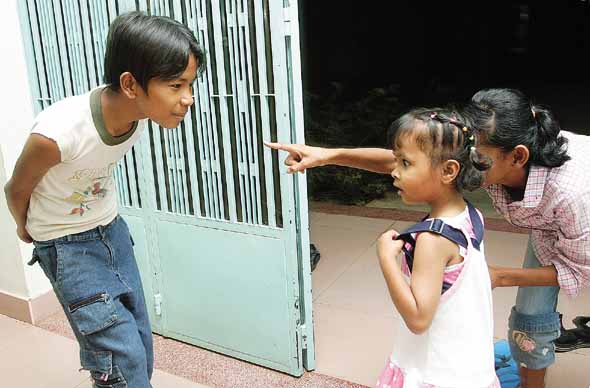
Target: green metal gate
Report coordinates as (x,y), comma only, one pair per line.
(221,230)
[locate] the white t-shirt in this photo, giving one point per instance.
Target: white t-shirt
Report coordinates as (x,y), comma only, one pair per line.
(79,193)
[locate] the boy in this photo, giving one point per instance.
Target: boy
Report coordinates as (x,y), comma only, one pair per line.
(62,194)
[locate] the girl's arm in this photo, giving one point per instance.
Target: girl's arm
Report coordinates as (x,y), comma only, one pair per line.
(570,256)
(302,157)
(524,277)
(38,156)
(417,301)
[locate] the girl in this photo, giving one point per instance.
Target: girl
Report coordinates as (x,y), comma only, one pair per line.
(443,278)
(539,180)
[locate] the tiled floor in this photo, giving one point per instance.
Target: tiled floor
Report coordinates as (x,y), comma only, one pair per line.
(354,314)
(31,357)
(353,319)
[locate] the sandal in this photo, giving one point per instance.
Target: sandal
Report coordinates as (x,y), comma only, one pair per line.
(581,322)
(572,339)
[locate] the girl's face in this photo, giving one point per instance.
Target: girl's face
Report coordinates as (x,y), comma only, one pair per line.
(502,165)
(414,177)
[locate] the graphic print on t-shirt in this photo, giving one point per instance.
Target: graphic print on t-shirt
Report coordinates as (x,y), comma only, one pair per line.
(90,185)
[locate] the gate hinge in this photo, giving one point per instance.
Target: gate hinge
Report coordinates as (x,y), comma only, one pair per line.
(302,330)
(158,304)
(287,20)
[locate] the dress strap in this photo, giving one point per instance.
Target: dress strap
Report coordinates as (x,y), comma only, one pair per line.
(477,224)
(438,226)
(435,225)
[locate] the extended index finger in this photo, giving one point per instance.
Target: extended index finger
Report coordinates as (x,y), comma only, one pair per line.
(283,147)
(274,146)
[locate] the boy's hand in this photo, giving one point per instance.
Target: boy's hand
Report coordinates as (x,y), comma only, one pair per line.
(24,235)
(387,245)
(38,156)
(301,156)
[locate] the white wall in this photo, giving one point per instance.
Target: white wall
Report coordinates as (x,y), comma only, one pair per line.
(12,273)
(17,115)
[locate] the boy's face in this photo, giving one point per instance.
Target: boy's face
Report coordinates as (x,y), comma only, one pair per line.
(168,101)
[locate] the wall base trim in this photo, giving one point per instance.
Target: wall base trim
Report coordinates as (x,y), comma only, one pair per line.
(29,310)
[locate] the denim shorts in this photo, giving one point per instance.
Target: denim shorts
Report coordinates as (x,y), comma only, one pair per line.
(534,322)
(96,279)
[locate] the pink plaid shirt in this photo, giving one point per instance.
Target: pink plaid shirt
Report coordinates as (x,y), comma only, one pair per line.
(556,206)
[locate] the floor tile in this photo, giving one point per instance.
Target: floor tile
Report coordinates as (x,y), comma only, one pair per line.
(53,358)
(354,316)
(354,311)
(479,198)
(350,222)
(338,248)
(12,331)
(400,226)
(160,380)
(350,345)
(361,288)
(505,249)
(569,371)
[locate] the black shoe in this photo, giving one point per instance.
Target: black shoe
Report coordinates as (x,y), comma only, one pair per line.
(572,339)
(314,256)
(581,322)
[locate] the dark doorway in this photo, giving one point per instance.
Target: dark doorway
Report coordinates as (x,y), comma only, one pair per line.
(365,63)
(438,52)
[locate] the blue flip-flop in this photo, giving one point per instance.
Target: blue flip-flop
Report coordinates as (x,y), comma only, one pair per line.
(506,367)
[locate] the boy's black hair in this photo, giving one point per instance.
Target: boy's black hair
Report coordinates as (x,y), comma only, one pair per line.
(506,118)
(149,47)
(443,134)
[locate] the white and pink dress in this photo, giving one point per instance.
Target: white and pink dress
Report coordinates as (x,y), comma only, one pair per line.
(457,350)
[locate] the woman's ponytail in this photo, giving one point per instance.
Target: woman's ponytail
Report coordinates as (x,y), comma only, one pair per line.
(548,147)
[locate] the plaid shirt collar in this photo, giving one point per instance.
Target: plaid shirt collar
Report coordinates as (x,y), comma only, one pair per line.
(533,192)
(535,186)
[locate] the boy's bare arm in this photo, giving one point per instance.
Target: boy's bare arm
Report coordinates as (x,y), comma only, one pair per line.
(38,156)
(302,157)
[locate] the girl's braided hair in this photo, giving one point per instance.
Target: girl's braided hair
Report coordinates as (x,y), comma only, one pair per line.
(444,134)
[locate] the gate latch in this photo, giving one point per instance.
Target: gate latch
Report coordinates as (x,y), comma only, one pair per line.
(158,304)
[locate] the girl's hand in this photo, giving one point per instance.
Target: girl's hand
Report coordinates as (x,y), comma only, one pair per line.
(387,245)
(301,156)
(24,235)
(494,276)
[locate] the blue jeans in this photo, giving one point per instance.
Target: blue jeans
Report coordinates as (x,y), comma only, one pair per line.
(95,278)
(534,322)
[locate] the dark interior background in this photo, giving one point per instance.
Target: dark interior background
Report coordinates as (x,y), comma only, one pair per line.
(437,52)
(367,62)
